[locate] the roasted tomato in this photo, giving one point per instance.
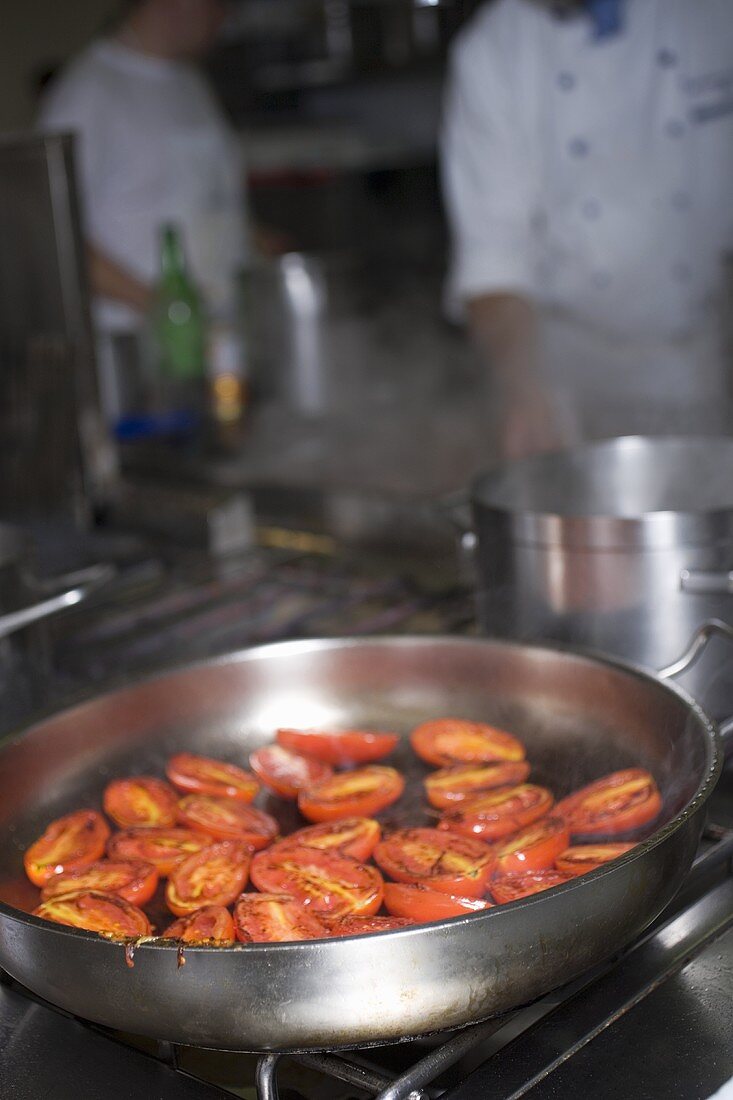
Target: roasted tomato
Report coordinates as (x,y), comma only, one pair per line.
(339,747)
(227,819)
(446,741)
(210,925)
(214,876)
(422,903)
(353,836)
(325,882)
(535,848)
(141,800)
(285,772)
(361,792)
(511,887)
(68,844)
(446,862)
(450,786)
(499,813)
(105,913)
(202,775)
(586,857)
(275,918)
(615,804)
(363,926)
(164,848)
(134,882)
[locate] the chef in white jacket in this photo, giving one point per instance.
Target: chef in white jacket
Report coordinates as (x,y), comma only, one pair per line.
(588,176)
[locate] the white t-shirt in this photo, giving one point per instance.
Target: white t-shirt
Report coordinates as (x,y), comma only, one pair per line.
(152,146)
(596,176)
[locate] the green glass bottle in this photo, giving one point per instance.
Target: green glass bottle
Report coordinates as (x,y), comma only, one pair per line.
(180,328)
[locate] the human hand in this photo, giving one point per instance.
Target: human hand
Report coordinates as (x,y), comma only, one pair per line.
(529,423)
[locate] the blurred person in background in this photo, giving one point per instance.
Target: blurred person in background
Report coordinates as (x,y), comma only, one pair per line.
(588,176)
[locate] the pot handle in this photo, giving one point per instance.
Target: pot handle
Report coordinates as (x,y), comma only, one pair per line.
(707,582)
(697,645)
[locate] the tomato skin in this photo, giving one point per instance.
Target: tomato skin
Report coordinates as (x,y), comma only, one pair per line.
(364,926)
(68,844)
(499,813)
(615,803)
(339,747)
(286,772)
(356,837)
(582,858)
(446,741)
(421,903)
(96,912)
(448,863)
(139,801)
(216,875)
(510,887)
(358,793)
(164,848)
(134,882)
(210,925)
(227,819)
(450,787)
(275,918)
(204,775)
(534,848)
(324,882)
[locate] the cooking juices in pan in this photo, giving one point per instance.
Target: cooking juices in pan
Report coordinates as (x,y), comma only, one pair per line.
(496,837)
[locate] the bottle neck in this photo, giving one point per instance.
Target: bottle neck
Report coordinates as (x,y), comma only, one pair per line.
(172,258)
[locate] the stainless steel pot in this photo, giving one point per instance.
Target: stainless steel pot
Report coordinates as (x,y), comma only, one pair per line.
(623,546)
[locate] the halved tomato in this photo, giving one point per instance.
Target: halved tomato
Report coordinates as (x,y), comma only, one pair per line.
(203,775)
(446,741)
(164,848)
(511,887)
(141,800)
(352,836)
(275,918)
(134,882)
(339,747)
(499,813)
(361,792)
(586,857)
(324,882)
(422,903)
(211,925)
(364,926)
(451,786)
(446,862)
(227,819)
(286,772)
(534,848)
(69,843)
(105,913)
(617,803)
(214,876)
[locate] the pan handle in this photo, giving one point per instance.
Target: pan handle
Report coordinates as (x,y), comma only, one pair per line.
(697,645)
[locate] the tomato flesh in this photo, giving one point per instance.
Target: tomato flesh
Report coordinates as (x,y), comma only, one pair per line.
(364,926)
(511,887)
(204,775)
(448,863)
(421,903)
(357,793)
(446,741)
(164,848)
(210,925)
(135,882)
(616,803)
(68,844)
(96,912)
(351,836)
(499,813)
(214,876)
(227,819)
(587,857)
(451,786)
(142,800)
(339,747)
(275,918)
(286,772)
(324,882)
(535,848)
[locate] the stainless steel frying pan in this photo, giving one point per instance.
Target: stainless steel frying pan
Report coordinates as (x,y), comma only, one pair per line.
(579,716)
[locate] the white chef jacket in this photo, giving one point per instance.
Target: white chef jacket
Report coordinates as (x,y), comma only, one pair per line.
(153,147)
(595,175)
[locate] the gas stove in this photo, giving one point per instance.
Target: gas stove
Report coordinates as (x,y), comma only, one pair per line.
(655,1021)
